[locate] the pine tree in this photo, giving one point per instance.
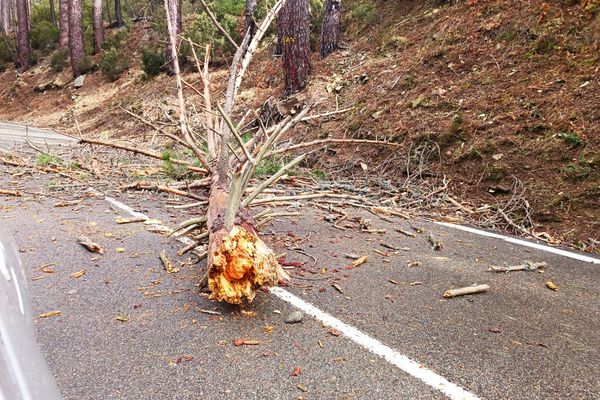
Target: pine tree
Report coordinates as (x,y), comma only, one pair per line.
(293,23)
(98,24)
(76,45)
(23,34)
(330,30)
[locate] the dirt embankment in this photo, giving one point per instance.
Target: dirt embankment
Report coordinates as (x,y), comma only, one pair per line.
(502,91)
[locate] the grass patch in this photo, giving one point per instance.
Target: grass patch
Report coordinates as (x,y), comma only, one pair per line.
(44,160)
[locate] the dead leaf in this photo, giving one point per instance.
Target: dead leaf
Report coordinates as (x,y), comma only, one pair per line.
(54,313)
(551,285)
(47,268)
(90,245)
(268,328)
(78,274)
(495,329)
(334,332)
(297,371)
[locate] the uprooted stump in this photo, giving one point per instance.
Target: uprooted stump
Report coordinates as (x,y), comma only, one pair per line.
(241,264)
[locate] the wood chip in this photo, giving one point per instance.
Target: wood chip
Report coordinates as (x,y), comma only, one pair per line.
(245,342)
(90,245)
(360,261)
(78,274)
(526,266)
(337,287)
(54,313)
(167,263)
(551,285)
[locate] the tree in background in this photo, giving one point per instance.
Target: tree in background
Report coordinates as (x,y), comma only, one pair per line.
(98,25)
(330,30)
(23,34)
(118,14)
(63,27)
(293,23)
(5,15)
(53,14)
(175,21)
(249,16)
(76,45)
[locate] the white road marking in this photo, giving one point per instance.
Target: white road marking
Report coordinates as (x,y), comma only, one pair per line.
(537,246)
(401,361)
(373,345)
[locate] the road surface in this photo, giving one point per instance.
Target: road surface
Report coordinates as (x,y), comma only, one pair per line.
(129,330)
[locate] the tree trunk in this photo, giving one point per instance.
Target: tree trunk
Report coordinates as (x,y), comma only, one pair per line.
(118,14)
(108,16)
(76,45)
(5,15)
(23,34)
(53,14)
(293,24)
(175,20)
(249,16)
(63,28)
(98,24)
(330,30)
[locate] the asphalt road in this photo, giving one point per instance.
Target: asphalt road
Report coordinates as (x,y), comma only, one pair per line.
(11,134)
(129,330)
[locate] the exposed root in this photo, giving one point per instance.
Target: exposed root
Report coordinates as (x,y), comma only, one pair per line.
(241,264)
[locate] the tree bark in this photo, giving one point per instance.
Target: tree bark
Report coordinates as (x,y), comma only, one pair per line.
(330,30)
(4,15)
(118,14)
(174,15)
(250,24)
(53,14)
(76,45)
(98,25)
(293,24)
(63,28)
(23,34)
(108,16)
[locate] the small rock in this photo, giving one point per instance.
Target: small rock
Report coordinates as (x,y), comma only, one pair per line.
(78,82)
(294,317)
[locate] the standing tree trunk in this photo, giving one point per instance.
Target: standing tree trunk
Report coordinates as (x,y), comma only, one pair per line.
(119,14)
(293,24)
(23,34)
(249,16)
(108,16)
(330,30)
(98,24)
(76,45)
(4,15)
(174,15)
(63,28)
(53,14)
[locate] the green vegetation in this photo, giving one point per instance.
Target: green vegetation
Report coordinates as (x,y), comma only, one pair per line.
(153,61)
(86,65)
(113,64)
(45,159)
(59,60)
(579,169)
(570,137)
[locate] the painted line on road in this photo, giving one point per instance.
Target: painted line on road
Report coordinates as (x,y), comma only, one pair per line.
(373,345)
(521,242)
(401,361)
